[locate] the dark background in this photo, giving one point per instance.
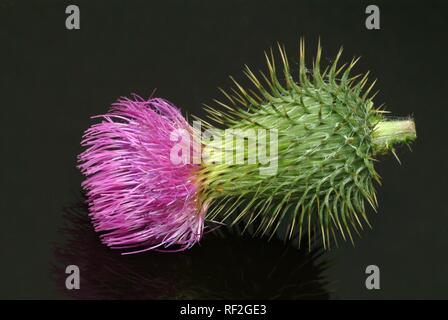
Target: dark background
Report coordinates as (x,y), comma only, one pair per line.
(52,80)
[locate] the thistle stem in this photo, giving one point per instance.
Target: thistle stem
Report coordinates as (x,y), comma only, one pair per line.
(387,133)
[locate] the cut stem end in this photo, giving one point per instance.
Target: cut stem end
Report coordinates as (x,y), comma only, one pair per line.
(388,133)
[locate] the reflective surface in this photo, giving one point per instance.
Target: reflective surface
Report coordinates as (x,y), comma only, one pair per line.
(225,265)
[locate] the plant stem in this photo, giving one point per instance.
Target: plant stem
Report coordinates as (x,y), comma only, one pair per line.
(387,133)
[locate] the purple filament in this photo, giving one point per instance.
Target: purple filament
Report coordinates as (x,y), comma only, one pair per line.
(138,199)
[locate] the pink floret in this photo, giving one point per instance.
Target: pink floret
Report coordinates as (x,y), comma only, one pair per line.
(138,198)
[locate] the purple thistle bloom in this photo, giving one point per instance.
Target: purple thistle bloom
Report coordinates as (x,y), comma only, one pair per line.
(137,197)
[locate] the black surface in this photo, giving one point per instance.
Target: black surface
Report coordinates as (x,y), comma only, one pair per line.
(52,80)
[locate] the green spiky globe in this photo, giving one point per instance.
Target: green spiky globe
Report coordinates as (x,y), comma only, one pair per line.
(329,135)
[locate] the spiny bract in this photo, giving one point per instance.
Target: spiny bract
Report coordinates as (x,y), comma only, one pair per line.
(329,134)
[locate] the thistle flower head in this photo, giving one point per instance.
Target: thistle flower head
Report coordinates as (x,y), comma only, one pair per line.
(327,135)
(138,198)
